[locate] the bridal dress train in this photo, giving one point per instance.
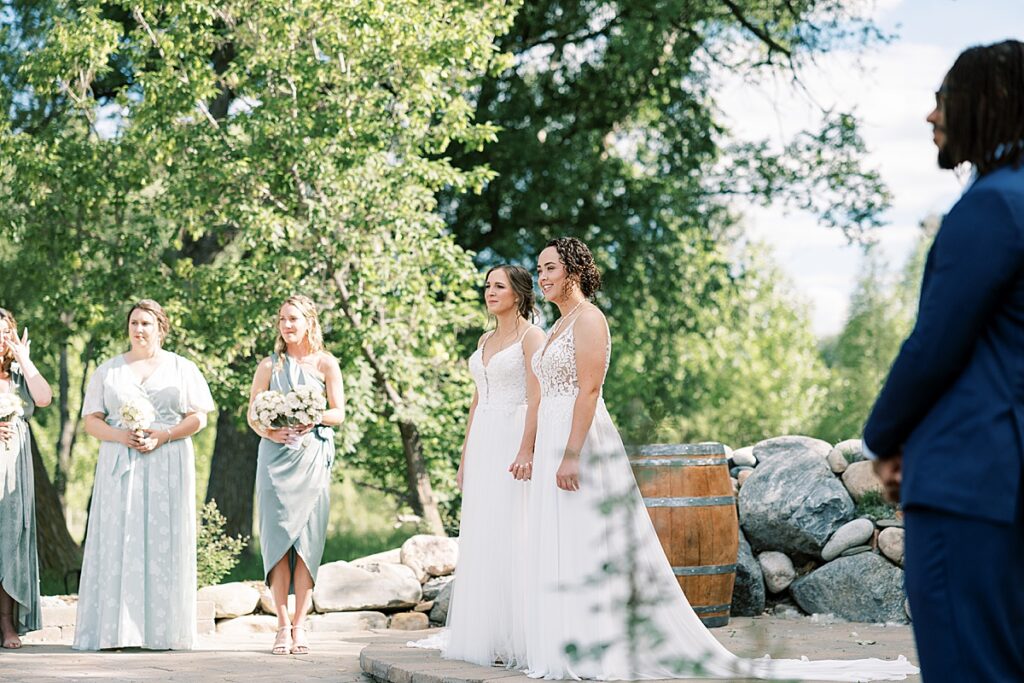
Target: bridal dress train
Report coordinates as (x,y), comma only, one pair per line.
(601,600)
(485,615)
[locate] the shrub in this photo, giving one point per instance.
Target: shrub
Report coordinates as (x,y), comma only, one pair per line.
(216,554)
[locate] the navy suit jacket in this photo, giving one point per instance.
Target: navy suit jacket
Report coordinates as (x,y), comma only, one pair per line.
(954,398)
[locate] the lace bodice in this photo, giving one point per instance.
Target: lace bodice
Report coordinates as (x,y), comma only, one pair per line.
(555,364)
(502,382)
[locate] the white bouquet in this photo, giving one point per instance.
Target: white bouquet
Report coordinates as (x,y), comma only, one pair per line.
(137,414)
(304,405)
(11,406)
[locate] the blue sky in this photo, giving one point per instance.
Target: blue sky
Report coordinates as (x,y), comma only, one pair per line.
(892,91)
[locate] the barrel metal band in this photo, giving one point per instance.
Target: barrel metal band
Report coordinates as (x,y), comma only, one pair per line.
(711,609)
(704,570)
(679,462)
(696,501)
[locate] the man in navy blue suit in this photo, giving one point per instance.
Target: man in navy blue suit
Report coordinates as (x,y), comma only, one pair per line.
(947,430)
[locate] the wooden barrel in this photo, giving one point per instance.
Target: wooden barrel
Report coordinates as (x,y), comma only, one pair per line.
(689,496)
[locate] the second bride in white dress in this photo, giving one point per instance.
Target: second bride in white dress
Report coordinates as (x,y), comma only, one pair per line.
(601,601)
(485,620)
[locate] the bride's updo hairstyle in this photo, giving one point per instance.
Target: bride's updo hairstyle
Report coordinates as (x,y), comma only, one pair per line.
(521,282)
(579,264)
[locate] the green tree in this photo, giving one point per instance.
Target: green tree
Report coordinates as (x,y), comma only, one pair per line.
(882,311)
(236,153)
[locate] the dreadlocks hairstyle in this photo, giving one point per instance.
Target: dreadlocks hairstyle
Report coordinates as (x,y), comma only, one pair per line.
(983,107)
(579,264)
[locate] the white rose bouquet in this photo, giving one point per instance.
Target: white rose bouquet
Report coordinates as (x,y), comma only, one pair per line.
(136,414)
(11,406)
(304,405)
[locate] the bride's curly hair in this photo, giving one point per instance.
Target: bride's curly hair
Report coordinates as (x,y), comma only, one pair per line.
(579,264)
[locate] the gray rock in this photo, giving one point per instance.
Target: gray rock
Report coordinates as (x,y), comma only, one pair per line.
(856,550)
(887,523)
(777,569)
(434,586)
(850,534)
(890,542)
(735,471)
(845,452)
(860,478)
(743,476)
(430,555)
(748,591)
(231,599)
(409,621)
(252,623)
(744,457)
(793,504)
(347,621)
(439,613)
(865,587)
(344,587)
(789,446)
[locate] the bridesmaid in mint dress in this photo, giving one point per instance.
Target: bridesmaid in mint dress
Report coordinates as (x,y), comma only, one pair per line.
(138,586)
(19,562)
(293,474)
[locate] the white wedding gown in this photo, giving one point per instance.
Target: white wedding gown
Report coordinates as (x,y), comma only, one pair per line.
(485,614)
(597,579)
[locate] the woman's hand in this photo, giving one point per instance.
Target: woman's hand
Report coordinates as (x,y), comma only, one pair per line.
(20,347)
(152,440)
(568,475)
(522,467)
(281,435)
(6,431)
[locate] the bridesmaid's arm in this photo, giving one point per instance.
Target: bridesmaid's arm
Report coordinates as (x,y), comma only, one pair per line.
(38,387)
(261,382)
(335,413)
(532,342)
(96,426)
(591,334)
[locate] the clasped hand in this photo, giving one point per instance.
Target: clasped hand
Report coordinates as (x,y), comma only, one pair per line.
(6,431)
(287,435)
(146,440)
(890,472)
(522,467)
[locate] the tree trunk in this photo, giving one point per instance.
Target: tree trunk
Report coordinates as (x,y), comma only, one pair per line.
(421,493)
(233,473)
(58,552)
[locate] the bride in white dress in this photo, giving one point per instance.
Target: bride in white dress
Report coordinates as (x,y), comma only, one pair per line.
(485,615)
(601,601)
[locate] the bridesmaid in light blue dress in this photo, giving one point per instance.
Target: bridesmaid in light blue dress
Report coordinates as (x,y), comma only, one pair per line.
(19,562)
(138,586)
(293,473)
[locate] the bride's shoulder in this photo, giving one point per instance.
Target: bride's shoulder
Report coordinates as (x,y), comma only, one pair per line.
(533,338)
(591,324)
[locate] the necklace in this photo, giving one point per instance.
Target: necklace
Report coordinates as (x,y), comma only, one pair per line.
(558,325)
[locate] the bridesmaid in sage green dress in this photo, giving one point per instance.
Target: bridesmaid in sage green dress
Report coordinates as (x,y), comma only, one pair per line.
(138,586)
(293,474)
(19,562)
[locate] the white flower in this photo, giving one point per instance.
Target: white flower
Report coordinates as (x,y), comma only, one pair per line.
(137,413)
(11,406)
(15,367)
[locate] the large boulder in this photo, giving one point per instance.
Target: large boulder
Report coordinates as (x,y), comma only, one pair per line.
(267,600)
(252,623)
(231,599)
(430,555)
(788,446)
(851,534)
(793,504)
(344,587)
(748,591)
(778,570)
(863,587)
(439,612)
(860,478)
